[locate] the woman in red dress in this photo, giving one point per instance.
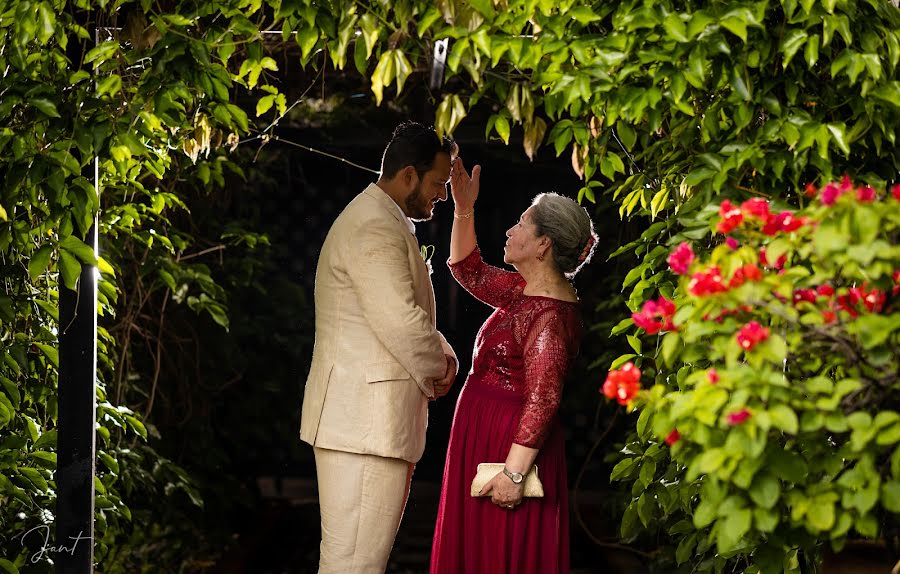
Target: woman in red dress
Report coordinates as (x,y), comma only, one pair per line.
(507,410)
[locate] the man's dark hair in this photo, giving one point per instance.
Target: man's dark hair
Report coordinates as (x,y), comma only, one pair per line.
(416,145)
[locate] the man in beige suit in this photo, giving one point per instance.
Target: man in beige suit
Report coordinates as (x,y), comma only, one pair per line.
(378,358)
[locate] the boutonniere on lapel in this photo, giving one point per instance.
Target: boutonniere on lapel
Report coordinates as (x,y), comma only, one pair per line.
(427,252)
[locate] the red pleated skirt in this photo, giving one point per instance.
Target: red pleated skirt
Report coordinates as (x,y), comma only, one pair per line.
(474,536)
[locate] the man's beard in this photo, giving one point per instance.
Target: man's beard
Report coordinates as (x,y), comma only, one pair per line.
(416,207)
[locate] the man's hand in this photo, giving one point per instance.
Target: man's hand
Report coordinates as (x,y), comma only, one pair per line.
(442,386)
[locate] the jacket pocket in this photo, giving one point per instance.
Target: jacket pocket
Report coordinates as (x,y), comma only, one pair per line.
(385,371)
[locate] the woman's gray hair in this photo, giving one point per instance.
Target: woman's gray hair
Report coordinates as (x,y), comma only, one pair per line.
(569,228)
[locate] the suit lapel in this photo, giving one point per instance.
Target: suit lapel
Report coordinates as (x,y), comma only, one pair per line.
(421,277)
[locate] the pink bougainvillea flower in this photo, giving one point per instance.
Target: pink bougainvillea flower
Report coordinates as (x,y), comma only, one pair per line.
(623,384)
(732,242)
(738,417)
(707,282)
(807,295)
(874,300)
(655,316)
(782,222)
(731,217)
(830,193)
(756,207)
(895,191)
(681,258)
(866,194)
(751,335)
(825,290)
(749,272)
(713,376)
(673,437)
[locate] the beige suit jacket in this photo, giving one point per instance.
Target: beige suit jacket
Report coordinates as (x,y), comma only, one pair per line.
(376,347)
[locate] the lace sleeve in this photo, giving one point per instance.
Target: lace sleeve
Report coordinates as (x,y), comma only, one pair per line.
(549,346)
(488,284)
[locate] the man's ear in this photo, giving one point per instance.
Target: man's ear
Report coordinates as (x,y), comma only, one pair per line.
(410,176)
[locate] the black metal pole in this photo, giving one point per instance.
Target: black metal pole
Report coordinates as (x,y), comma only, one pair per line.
(76,442)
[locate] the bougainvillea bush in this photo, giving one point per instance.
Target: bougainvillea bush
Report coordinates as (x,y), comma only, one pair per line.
(766,376)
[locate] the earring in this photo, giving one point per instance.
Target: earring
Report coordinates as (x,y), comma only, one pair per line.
(540,257)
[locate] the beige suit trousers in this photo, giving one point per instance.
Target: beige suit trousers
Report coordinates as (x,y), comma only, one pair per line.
(361,501)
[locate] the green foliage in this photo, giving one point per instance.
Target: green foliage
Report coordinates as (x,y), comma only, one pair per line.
(159,106)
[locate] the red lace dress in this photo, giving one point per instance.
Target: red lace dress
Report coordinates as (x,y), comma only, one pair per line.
(522,354)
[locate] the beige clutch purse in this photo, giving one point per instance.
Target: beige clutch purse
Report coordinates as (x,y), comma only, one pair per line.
(488,470)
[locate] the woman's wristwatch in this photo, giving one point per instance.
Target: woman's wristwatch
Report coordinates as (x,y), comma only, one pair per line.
(516,477)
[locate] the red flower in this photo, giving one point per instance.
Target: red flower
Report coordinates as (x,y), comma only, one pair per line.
(784,221)
(807,295)
(738,417)
(830,193)
(866,194)
(731,217)
(673,437)
(810,190)
(655,316)
(623,384)
(751,335)
(895,191)
(707,282)
(732,242)
(756,207)
(743,274)
(873,300)
(896,275)
(829,317)
(825,290)
(681,258)
(713,376)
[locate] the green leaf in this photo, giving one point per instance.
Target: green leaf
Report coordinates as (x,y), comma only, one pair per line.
(820,513)
(787,465)
(670,345)
(765,491)
(623,469)
(110,462)
(40,261)
(50,352)
(137,426)
(47,440)
(484,7)
(264,104)
(47,107)
(735,25)
(8,566)
(36,478)
(101,53)
(838,133)
(110,85)
(784,418)
(79,249)
(734,526)
(502,127)
(46,23)
(792,42)
(69,268)
(811,52)
(890,495)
